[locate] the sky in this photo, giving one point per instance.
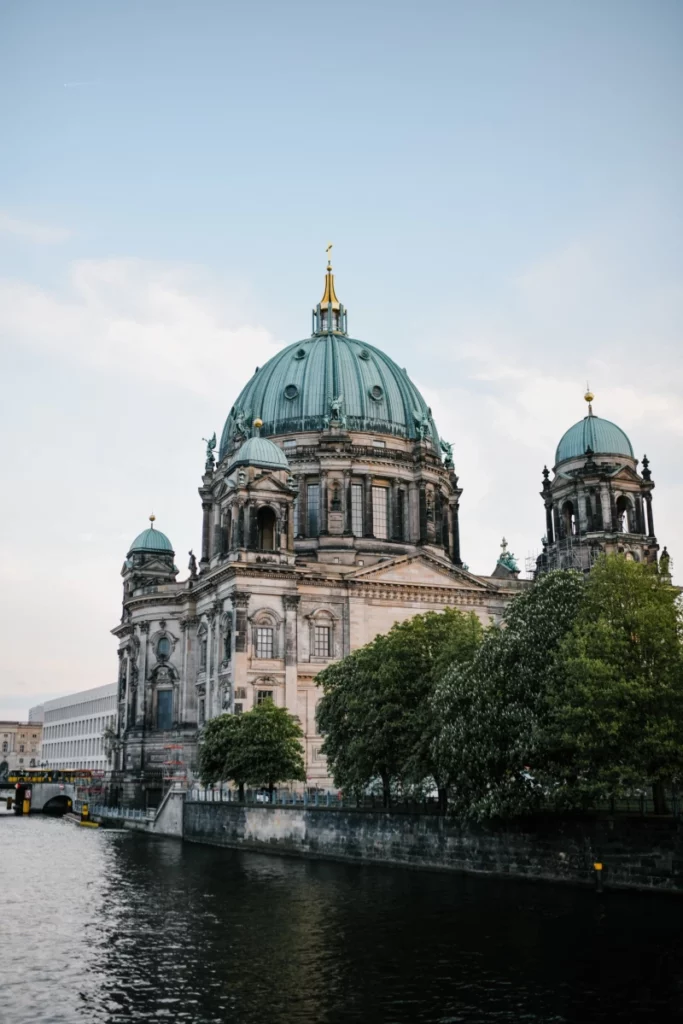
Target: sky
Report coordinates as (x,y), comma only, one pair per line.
(502,184)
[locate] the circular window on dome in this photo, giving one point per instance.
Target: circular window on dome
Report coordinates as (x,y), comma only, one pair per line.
(291,391)
(300,353)
(376,393)
(364,354)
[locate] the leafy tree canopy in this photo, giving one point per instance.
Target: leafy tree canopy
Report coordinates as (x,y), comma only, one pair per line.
(260,748)
(376,712)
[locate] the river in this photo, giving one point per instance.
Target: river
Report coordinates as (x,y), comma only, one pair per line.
(100,926)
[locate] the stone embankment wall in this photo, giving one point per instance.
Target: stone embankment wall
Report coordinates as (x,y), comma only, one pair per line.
(636,852)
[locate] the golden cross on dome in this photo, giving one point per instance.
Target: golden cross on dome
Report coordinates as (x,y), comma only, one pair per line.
(328,250)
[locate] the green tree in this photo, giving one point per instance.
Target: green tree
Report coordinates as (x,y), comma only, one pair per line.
(222,753)
(491,711)
(376,712)
(271,750)
(616,711)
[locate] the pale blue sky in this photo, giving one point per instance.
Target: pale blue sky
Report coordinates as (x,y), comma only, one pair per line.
(502,185)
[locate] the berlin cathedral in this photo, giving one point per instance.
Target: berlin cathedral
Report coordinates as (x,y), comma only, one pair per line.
(330,512)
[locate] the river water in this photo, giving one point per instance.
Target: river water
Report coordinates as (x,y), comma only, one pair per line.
(100,926)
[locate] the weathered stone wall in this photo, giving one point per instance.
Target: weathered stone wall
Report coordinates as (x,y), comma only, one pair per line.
(638,852)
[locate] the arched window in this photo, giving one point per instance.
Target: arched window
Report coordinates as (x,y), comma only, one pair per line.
(625,518)
(267,524)
(569,519)
(164,647)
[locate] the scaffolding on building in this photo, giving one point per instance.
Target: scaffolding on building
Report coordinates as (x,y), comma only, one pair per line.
(174,769)
(573,552)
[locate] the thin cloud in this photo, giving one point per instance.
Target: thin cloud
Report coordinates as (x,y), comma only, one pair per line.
(31,231)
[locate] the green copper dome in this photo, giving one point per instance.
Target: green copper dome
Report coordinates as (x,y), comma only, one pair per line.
(602,436)
(295,390)
(259,451)
(151,540)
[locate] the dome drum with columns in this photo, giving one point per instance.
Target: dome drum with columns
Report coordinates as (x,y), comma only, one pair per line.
(331,513)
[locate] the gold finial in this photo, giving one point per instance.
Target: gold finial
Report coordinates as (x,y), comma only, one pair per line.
(151,519)
(588,397)
(257,425)
(329,295)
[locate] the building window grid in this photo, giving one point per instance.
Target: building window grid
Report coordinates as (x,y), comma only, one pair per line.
(380,497)
(263,695)
(357,510)
(321,641)
(313,507)
(264,642)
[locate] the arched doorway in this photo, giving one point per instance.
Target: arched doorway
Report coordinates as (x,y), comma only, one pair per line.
(266,523)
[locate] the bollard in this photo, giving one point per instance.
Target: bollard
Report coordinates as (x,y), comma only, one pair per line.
(9,803)
(598,876)
(85,813)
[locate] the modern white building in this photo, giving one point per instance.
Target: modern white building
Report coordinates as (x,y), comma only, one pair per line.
(74,726)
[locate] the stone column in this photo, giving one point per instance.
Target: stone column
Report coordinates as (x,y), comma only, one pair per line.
(423,536)
(413,512)
(206,532)
(291,605)
(455,529)
(650,518)
(346,502)
(367,507)
(303,518)
(549,521)
(143,712)
(323,502)
(394,533)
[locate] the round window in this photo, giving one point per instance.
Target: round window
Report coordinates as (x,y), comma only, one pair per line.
(291,391)
(376,393)
(300,353)
(364,354)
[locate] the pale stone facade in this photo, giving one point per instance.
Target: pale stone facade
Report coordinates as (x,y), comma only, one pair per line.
(19,746)
(314,540)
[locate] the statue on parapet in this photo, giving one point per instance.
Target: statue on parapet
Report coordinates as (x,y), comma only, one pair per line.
(210,464)
(192,564)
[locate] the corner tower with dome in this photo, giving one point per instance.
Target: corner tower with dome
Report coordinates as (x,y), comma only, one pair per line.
(597,502)
(331,512)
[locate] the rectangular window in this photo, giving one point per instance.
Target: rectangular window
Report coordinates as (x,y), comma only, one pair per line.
(400,515)
(263,695)
(240,693)
(357,510)
(264,642)
(313,501)
(165,709)
(379,512)
(321,641)
(238,709)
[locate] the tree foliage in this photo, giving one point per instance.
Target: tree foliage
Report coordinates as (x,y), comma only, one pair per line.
(579,697)
(376,712)
(490,709)
(259,748)
(616,710)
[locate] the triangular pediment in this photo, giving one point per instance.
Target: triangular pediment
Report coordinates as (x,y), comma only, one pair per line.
(268,482)
(626,473)
(421,570)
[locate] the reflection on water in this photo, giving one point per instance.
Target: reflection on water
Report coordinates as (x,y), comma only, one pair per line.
(107,927)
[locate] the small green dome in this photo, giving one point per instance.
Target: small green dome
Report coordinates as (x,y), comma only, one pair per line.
(259,451)
(293,392)
(602,436)
(151,540)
